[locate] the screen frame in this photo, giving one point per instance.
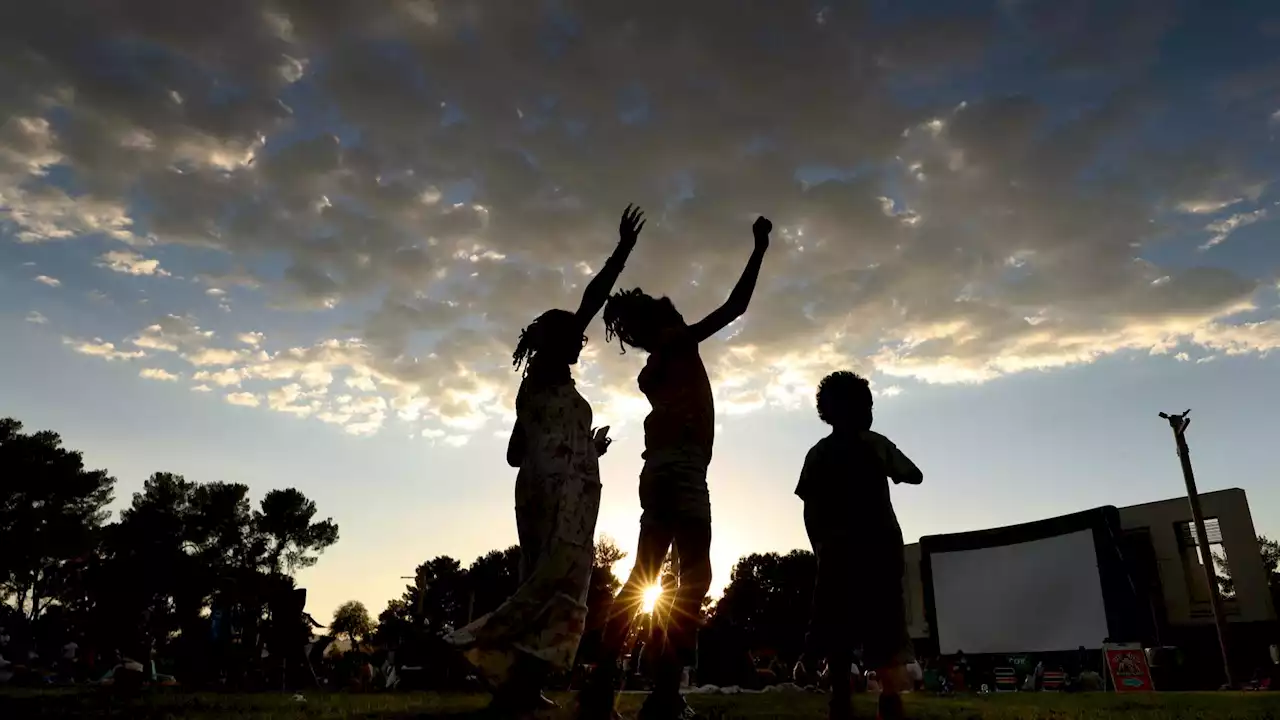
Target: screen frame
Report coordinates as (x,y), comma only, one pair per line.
(1119,595)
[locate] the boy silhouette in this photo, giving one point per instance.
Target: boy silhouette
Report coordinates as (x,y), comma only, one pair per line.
(857,596)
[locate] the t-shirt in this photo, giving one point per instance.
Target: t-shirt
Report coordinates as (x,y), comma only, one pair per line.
(845,487)
(683,419)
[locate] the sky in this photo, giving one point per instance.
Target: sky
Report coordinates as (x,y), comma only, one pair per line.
(292,244)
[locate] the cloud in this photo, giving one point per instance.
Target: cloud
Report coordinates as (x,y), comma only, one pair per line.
(131,263)
(158,374)
(37,317)
(1223,228)
(470,162)
(100,348)
(243,399)
(46,280)
(221,378)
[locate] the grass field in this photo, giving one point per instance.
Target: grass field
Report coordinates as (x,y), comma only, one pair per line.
(1041,706)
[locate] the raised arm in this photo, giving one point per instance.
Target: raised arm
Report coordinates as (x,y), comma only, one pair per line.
(597,292)
(740,298)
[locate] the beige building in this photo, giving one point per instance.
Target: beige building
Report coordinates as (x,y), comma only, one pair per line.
(1161,551)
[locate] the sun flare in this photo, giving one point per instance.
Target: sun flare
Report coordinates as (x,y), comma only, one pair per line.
(651,595)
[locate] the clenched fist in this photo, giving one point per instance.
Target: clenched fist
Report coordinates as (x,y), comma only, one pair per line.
(761,229)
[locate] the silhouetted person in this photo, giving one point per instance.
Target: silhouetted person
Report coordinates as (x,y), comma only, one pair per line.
(537,630)
(678,435)
(857,596)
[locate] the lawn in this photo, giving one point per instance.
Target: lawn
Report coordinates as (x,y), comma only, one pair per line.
(179,704)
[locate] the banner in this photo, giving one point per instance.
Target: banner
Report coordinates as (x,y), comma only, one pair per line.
(1127,664)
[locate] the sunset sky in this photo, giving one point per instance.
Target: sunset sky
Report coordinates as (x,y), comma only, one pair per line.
(292,243)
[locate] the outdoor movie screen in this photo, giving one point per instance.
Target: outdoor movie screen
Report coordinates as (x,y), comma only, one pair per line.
(1038,596)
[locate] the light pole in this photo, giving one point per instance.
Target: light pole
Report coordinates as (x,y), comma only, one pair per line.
(1179,424)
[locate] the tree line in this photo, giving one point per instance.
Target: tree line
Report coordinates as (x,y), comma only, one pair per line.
(183,552)
(180,551)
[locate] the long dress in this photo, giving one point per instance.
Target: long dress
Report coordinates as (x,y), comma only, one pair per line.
(557,504)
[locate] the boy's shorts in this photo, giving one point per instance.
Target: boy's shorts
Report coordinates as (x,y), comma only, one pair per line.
(858,602)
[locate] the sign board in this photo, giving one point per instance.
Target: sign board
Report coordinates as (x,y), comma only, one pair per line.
(1127,664)
(1006,679)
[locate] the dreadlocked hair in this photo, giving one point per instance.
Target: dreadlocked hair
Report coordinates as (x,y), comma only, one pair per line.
(524,350)
(534,337)
(619,312)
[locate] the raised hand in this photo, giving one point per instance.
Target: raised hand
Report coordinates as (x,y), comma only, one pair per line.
(631,224)
(600,436)
(761,229)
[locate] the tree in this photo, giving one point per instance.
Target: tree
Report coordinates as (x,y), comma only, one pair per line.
(395,624)
(352,619)
(768,598)
(604,584)
(285,521)
(491,579)
(51,512)
(182,548)
(1270,552)
(438,598)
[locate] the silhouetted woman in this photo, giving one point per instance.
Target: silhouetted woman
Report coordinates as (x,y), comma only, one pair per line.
(676,505)
(537,630)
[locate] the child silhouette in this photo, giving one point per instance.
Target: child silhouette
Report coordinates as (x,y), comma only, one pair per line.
(857,596)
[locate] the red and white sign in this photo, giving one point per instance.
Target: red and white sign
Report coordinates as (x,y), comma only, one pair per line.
(1127,664)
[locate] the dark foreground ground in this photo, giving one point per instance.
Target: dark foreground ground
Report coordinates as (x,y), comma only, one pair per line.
(178,704)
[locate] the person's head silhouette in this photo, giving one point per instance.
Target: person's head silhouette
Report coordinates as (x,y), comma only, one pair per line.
(553,339)
(640,320)
(845,402)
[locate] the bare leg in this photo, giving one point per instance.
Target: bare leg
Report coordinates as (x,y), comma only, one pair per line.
(693,544)
(596,699)
(840,675)
(830,622)
(888,646)
(894,680)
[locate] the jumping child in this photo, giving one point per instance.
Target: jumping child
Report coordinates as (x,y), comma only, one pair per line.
(857,597)
(678,435)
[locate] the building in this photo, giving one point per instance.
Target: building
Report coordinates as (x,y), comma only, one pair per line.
(1183,591)
(1160,552)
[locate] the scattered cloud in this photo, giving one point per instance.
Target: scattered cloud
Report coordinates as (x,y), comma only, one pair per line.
(221,378)
(131,263)
(46,280)
(386,279)
(243,399)
(158,374)
(98,347)
(37,317)
(1222,229)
